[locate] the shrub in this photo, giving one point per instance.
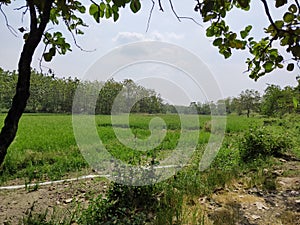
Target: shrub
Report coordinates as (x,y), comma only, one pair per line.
(132,205)
(261,142)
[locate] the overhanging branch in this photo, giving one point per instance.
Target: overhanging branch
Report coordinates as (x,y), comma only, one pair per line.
(9,27)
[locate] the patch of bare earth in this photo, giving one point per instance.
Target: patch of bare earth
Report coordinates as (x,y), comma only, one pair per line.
(63,198)
(275,202)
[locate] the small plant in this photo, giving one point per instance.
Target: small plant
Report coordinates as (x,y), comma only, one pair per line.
(262,142)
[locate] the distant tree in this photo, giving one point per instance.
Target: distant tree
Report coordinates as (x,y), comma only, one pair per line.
(204,108)
(227,103)
(278,101)
(250,100)
(236,106)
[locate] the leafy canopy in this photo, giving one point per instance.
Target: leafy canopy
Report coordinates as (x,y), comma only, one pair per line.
(283,32)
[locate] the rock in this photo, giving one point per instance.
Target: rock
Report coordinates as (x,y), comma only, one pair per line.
(297,201)
(277,172)
(69,200)
(255,217)
(282,160)
(261,206)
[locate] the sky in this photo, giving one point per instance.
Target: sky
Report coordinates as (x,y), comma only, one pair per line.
(104,38)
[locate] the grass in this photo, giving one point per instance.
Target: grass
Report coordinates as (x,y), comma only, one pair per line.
(45,148)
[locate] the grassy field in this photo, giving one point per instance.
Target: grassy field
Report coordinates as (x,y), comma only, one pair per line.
(45,149)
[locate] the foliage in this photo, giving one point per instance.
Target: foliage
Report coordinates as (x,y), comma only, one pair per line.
(49,94)
(279,101)
(249,100)
(121,205)
(266,57)
(261,142)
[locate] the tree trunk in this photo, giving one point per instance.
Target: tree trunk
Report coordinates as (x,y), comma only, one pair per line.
(19,102)
(248,113)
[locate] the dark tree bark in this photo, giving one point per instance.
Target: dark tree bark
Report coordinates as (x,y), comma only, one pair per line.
(19,102)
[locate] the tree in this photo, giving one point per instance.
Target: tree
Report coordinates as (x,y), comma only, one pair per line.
(265,58)
(250,100)
(278,101)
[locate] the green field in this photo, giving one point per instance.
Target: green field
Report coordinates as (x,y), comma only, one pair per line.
(45,147)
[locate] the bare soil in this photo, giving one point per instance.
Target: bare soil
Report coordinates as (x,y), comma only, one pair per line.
(15,204)
(276,202)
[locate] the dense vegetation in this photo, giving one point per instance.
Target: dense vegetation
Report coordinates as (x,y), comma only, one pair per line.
(49,94)
(55,95)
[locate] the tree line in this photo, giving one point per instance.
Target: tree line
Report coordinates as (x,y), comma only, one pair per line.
(275,101)
(49,94)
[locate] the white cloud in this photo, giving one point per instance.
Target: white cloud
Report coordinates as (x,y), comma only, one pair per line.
(127,37)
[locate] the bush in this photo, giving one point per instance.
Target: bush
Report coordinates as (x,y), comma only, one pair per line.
(262,142)
(126,205)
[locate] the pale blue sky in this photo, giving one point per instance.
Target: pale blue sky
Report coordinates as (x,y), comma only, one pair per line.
(164,27)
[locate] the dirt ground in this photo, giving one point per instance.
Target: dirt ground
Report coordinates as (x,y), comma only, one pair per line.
(14,204)
(278,204)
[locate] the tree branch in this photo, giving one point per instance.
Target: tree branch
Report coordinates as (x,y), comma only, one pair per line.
(160,6)
(75,40)
(269,15)
(173,10)
(182,17)
(150,15)
(9,27)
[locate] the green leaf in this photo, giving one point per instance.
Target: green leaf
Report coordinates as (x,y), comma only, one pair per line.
(97,17)
(293,8)
(135,6)
(280,66)
(102,6)
(218,42)
(116,16)
(93,9)
(290,67)
(296,51)
(119,3)
(279,24)
(107,13)
(243,34)
(280,3)
(210,31)
(295,102)
(52,51)
(244,3)
(47,57)
(81,9)
(288,17)
(268,66)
